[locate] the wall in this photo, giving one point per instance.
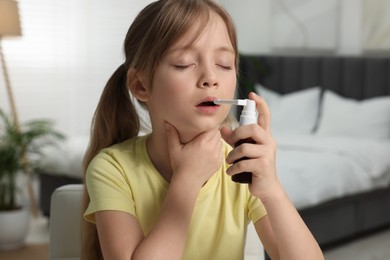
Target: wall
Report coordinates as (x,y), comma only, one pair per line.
(67,52)
(253,22)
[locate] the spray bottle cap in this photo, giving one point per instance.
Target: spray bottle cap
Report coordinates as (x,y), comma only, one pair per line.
(248,114)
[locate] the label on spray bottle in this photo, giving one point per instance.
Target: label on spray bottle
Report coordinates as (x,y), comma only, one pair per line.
(248,116)
(243,177)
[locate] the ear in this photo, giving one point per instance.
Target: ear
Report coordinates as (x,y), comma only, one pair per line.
(136,85)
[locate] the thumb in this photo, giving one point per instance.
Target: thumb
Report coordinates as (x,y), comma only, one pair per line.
(264,117)
(226,134)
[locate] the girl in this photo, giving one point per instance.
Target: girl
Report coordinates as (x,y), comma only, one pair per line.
(168,194)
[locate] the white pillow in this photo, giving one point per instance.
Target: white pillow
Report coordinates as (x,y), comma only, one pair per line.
(64,158)
(369,118)
(295,112)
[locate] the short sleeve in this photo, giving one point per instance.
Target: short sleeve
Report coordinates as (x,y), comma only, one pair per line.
(108,187)
(256,209)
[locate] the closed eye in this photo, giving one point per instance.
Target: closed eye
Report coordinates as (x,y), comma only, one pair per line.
(181,67)
(225,67)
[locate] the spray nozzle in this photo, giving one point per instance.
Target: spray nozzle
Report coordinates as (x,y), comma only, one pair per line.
(249,105)
(237,102)
(248,114)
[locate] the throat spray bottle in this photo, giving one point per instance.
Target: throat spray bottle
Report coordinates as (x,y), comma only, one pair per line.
(248,116)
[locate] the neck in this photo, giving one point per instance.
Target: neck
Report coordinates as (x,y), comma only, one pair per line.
(157,148)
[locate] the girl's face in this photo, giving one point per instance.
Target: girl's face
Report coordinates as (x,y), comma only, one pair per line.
(190,77)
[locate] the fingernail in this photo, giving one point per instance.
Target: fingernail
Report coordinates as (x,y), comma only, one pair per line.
(228,171)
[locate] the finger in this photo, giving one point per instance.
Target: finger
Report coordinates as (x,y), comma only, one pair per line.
(253,132)
(239,167)
(247,165)
(264,117)
(246,150)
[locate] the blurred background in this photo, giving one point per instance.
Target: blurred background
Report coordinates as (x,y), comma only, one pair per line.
(68,49)
(59,61)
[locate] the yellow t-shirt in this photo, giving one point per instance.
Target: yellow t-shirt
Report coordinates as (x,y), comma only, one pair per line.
(122,177)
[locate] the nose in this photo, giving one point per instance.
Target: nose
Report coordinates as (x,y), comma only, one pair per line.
(208,78)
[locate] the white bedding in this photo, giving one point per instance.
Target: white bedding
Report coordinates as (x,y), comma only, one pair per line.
(65,158)
(311,168)
(314,169)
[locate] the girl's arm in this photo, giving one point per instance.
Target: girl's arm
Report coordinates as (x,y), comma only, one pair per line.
(283,232)
(120,234)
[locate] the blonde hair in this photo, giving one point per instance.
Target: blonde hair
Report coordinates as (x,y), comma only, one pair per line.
(155,29)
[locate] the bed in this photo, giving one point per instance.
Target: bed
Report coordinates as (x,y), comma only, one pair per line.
(331,121)
(334,211)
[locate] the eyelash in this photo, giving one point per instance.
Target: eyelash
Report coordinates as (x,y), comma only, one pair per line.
(226,67)
(183,67)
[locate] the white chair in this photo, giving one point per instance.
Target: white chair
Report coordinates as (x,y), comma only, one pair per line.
(65,219)
(65,214)
(254,250)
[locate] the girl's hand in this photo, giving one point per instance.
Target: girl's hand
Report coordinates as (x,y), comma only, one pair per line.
(261,154)
(197,160)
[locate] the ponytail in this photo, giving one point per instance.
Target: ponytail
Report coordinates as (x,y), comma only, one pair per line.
(114,121)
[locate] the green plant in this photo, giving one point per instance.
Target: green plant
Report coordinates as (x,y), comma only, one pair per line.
(19,145)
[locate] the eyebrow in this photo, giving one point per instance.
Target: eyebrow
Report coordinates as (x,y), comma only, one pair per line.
(224,48)
(189,47)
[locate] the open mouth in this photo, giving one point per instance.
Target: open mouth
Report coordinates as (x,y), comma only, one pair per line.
(207,104)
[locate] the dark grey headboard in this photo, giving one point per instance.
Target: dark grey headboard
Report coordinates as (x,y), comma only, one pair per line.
(355,77)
